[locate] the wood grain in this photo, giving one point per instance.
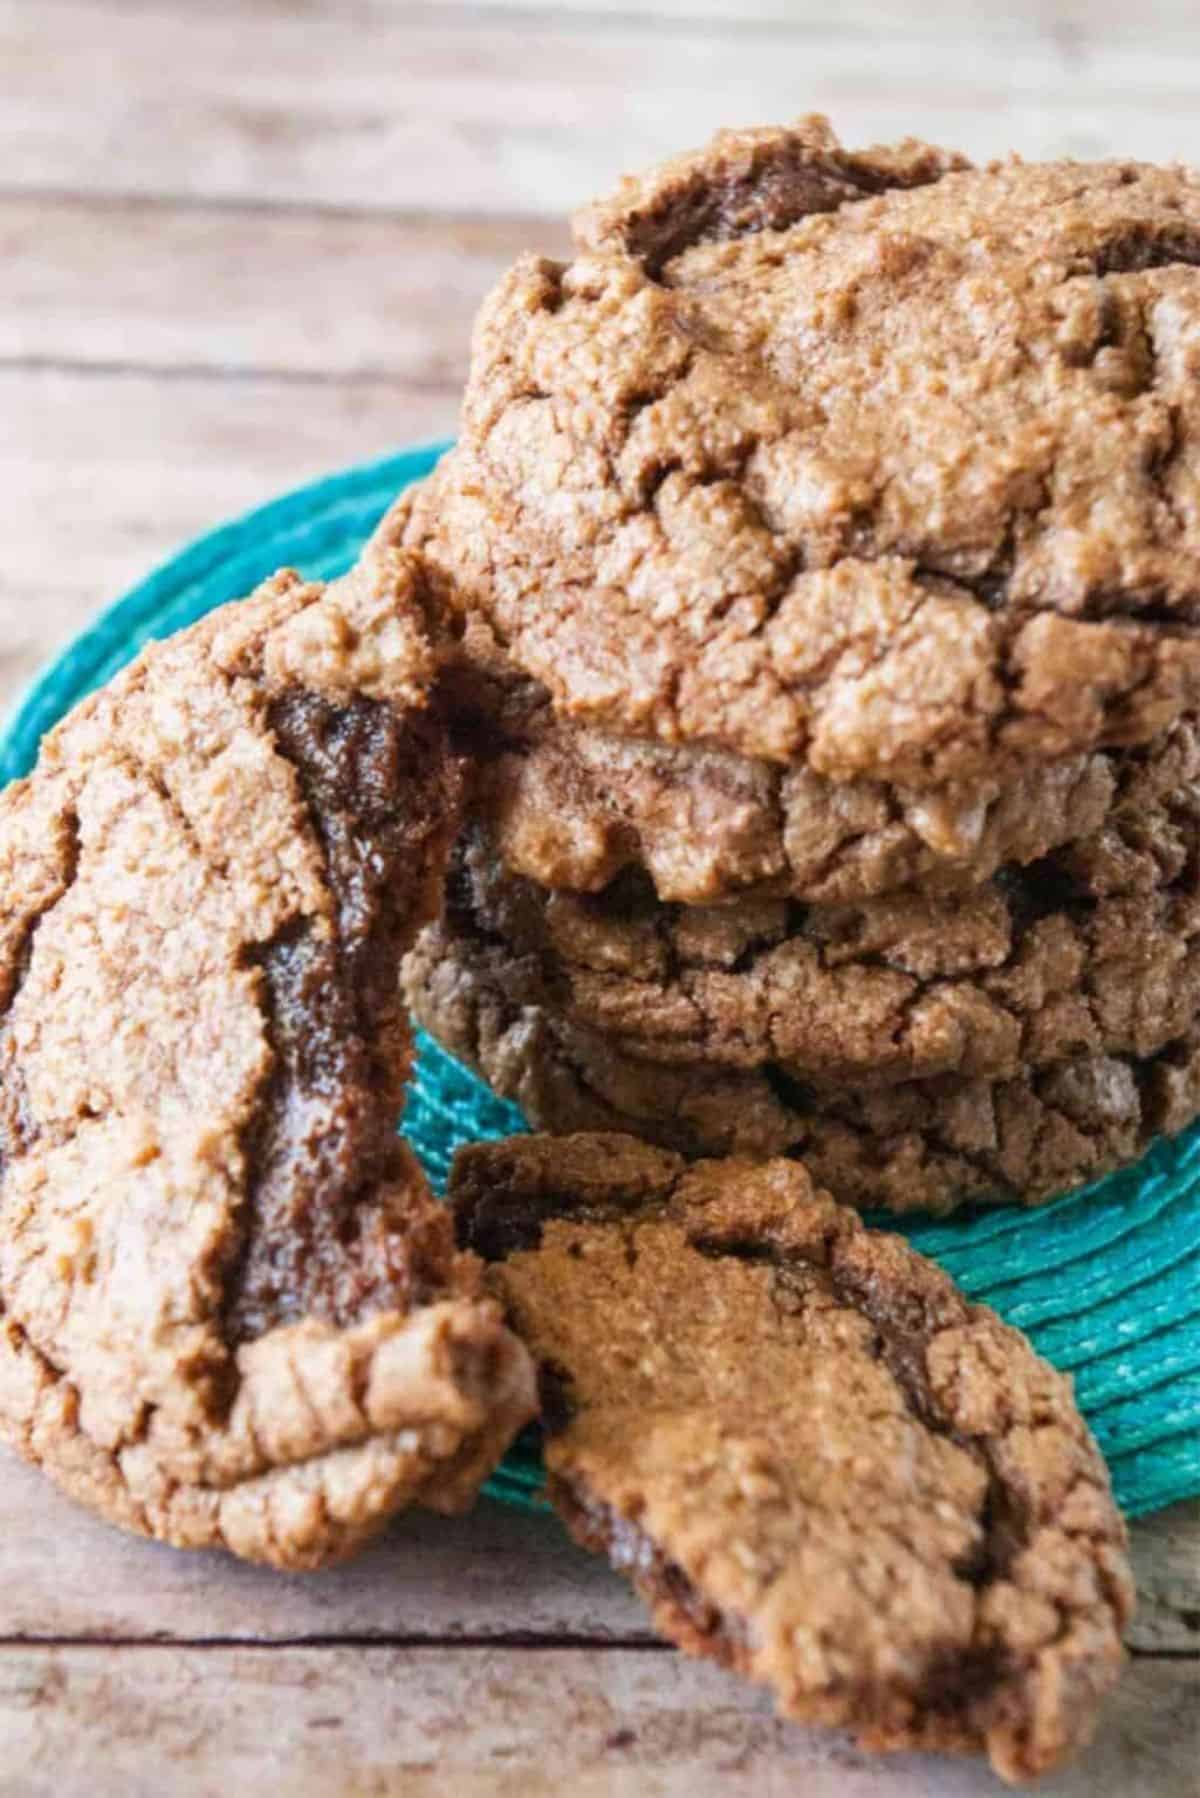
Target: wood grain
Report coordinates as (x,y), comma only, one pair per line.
(221,291)
(369,1722)
(496,1574)
(468,111)
(104,474)
(1166,1560)
(933,18)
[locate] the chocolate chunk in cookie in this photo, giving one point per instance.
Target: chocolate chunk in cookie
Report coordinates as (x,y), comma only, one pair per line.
(923,1145)
(867,463)
(573,806)
(817,1463)
(231,1312)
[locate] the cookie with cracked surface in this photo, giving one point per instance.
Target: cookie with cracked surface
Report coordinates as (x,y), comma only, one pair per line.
(818,1464)
(1094,951)
(925,1145)
(573,806)
(866,462)
(231,1312)
(576,806)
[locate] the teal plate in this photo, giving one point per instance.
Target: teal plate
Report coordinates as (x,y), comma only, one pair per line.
(1105,1281)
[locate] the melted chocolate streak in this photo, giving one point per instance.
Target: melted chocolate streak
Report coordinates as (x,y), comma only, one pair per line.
(324,1136)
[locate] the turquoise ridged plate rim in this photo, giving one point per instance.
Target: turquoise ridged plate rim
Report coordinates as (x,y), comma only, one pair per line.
(1105,1281)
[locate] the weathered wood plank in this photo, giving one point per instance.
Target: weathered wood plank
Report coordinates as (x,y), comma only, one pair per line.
(468,111)
(497,1573)
(940,18)
(1166,1559)
(498,1721)
(105,474)
(494,1574)
(232,291)
(932,18)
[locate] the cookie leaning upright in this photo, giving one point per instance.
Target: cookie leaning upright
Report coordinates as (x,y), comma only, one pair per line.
(866,462)
(231,1313)
(816,1461)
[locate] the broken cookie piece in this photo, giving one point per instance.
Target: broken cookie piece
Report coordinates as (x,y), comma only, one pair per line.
(231,1312)
(816,1461)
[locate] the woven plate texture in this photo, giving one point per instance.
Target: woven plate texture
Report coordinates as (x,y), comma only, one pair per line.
(1106,1281)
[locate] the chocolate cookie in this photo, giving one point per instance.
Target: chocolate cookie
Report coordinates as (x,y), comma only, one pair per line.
(926,1145)
(864,462)
(1094,950)
(817,1463)
(574,806)
(231,1312)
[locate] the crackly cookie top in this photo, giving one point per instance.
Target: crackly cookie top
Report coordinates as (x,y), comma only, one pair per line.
(869,462)
(816,1461)
(230,1309)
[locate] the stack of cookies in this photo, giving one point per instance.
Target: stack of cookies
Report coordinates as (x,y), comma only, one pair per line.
(808,609)
(824,542)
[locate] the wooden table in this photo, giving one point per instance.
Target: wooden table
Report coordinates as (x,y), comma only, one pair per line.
(241,245)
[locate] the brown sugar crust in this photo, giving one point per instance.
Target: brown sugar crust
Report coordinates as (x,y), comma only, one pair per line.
(231,1312)
(925,1145)
(1095,949)
(865,462)
(816,1461)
